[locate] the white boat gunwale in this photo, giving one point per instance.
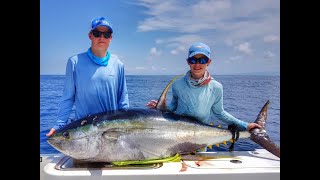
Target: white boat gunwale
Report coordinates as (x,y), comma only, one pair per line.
(259,164)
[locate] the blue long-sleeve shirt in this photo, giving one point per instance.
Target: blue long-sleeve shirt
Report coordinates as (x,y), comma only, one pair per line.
(201,102)
(92,88)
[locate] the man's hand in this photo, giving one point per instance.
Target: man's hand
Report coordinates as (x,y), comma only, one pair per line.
(253,125)
(152,104)
(51,132)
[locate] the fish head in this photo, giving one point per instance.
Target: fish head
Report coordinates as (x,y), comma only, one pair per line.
(79,142)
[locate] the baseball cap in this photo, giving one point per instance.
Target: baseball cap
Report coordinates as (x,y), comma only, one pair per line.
(101,21)
(199,48)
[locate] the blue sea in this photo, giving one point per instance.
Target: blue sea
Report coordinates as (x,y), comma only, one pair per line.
(244,96)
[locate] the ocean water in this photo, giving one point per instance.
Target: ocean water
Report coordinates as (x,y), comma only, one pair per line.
(244,97)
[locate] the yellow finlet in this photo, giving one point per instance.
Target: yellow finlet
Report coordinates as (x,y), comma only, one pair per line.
(211,124)
(225,142)
(219,126)
(210,146)
(217,145)
(231,140)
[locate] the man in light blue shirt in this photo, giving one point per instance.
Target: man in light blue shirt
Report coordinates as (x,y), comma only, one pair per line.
(198,94)
(95,80)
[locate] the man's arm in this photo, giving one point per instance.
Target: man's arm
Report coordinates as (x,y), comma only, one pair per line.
(68,97)
(223,115)
(123,99)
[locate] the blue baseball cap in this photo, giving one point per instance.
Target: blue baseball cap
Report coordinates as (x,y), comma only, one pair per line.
(199,48)
(101,21)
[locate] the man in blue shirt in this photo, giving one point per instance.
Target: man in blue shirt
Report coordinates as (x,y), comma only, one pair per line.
(95,80)
(198,94)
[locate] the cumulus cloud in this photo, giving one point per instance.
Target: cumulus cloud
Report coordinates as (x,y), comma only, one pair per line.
(238,19)
(181,43)
(244,48)
(154,52)
(222,24)
(178,50)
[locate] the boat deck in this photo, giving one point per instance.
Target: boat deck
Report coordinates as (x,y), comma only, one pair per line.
(258,164)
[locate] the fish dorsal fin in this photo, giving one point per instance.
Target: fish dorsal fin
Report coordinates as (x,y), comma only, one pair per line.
(262,116)
(162,99)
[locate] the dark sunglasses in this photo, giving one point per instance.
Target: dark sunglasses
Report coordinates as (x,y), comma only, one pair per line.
(97,33)
(202,60)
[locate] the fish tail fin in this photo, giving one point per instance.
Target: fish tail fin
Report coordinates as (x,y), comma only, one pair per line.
(162,99)
(260,136)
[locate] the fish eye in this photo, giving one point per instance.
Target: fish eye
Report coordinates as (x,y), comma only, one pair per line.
(66,135)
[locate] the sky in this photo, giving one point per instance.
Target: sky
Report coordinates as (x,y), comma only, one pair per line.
(152,37)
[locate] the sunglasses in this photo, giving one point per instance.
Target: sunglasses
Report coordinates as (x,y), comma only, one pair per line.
(97,33)
(202,60)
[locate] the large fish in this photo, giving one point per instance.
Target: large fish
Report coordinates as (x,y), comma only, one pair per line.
(146,134)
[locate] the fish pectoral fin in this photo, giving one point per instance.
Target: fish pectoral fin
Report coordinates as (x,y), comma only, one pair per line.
(113,134)
(117,136)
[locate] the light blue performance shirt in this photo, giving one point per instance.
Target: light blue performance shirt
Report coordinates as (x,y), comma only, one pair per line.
(92,88)
(201,102)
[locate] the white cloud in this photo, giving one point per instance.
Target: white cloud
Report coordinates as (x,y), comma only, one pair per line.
(140,68)
(178,49)
(222,24)
(181,43)
(268,55)
(237,19)
(271,38)
(154,52)
(244,48)
(233,59)
(174,52)
(182,40)
(188,17)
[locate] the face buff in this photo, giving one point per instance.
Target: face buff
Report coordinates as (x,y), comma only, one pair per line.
(100,61)
(199,82)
